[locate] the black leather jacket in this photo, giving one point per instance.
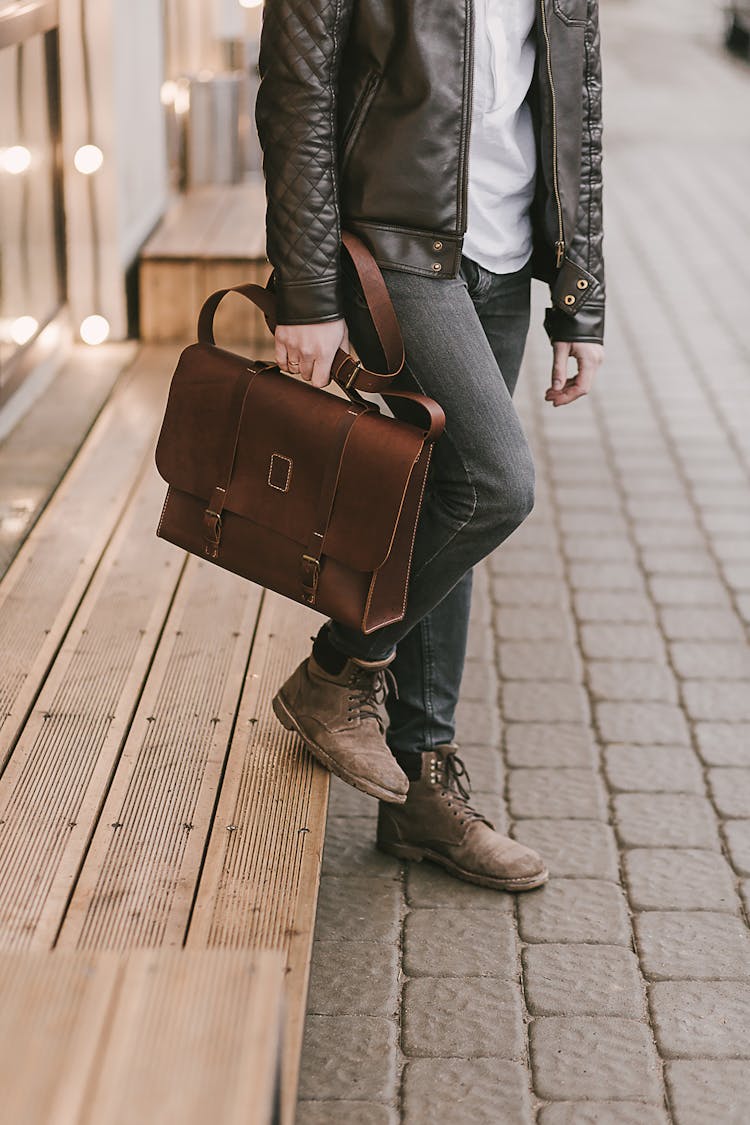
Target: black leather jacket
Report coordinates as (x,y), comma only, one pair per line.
(364,112)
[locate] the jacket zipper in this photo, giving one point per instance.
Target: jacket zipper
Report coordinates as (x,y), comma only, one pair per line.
(466,124)
(560,244)
(358,116)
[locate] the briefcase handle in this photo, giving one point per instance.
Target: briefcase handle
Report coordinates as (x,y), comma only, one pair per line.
(347,371)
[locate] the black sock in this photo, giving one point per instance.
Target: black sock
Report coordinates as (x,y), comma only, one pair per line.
(329,658)
(410,762)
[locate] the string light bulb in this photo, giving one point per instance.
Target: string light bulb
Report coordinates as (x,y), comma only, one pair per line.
(22,329)
(250,3)
(88,159)
(16,159)
(168,92)
(94,330)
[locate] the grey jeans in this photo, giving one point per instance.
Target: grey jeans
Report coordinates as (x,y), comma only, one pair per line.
(464,341)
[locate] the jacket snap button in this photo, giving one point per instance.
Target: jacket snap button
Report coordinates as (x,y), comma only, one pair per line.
(437,267)
(437,245)
(570,299)
(583,284)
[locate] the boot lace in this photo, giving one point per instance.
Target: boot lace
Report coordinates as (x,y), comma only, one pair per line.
(453,777)
(368,692)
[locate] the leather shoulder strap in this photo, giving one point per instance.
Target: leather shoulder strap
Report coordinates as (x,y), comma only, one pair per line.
(347,371)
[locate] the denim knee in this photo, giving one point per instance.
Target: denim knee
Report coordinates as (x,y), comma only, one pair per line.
(506,500)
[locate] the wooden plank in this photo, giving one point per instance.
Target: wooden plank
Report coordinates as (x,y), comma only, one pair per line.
(37,451)
(137,883)
(170,299)
(55,1011)
(44,585)
(261,874)
(194,1039)
(57,777)
(237,321)
(218,221)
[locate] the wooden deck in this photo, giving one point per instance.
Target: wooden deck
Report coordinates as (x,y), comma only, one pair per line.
(148,797)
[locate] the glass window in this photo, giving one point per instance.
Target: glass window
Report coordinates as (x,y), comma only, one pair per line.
(31,244)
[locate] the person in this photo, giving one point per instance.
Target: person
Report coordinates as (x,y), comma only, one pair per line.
(461,141)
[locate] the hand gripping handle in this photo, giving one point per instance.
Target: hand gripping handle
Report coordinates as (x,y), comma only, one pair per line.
(347,371)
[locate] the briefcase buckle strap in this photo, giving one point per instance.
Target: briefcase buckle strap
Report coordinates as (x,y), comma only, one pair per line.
(212,536)
(310,578)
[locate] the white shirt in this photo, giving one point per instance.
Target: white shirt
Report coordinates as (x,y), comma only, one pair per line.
(502,150)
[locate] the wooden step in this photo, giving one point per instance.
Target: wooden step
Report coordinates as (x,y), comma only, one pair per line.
(210,238)
(152,1036)
(46,581)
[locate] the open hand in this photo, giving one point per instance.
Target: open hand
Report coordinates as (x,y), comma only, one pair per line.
(588,358)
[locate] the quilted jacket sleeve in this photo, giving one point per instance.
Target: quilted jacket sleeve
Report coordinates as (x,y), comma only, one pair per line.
(300,50)
(586,249)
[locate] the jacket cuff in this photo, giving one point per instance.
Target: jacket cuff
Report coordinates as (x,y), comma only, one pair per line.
(587,326)
(308,302)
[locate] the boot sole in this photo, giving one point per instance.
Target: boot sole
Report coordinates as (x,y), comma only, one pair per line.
(371,788)
(407,851)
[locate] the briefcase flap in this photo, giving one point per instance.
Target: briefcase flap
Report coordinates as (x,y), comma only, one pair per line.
(286,439)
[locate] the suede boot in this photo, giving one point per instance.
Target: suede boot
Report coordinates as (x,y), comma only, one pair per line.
(342,719)
(438,823)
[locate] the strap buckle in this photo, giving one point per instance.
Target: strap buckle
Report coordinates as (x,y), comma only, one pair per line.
(352,378)
(212,525)
(310,584)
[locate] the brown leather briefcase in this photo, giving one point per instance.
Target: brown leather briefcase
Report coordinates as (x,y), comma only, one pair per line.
(308,493)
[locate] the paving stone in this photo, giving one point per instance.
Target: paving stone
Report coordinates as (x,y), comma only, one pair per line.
(353,978)
(479,683)
(428,885)
(716,661)
(577,980)
(539,660)
(682,590)
(345,800)
(737,575)
(594,1057)
(730,789)
(660,560)
(642,723)
(349,1057)
(632,680)
(606,576)
(696,623)
(477,724)
(668,535)
(589,522)
(352,908)
(576,848)
(737,833)
(544,702)
(556,793)
(466,1092)
(462,942)
(704,1090)
(528,589)
(666,820)
(602,1113)
(679,879)
(575,910)
(622,642)
(724,744)
(532,624)
(470,1017)
(551,745)
(680,945)
(344,1113)
(480,646)
(701,1019)
(727,700)
(485,766)
(620,606)
(588,547)
(656,769)
(350,848)
(510,559)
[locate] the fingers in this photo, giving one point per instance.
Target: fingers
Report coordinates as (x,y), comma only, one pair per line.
(561,352)
(588,357)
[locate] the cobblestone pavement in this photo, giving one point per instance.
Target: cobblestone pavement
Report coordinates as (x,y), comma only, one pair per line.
(606,713)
